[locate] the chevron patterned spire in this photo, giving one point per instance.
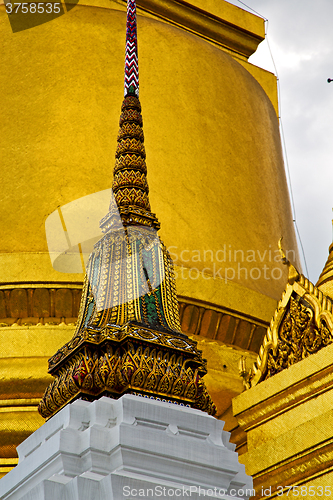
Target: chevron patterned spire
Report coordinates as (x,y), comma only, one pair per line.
(131,84)
(130,204)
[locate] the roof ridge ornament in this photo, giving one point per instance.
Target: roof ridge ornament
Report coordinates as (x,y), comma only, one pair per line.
(301,326)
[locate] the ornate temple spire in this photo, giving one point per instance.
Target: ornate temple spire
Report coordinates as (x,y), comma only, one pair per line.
(130,186)
(128,337)
(325,280)
(130,205)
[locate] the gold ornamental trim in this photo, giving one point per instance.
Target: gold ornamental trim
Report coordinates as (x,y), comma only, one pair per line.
(118,334)
(130,162)
(131,360)
(302,325)
(130,129)
(57,305)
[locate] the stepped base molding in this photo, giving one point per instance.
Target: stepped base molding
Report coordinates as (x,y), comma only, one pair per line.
(118,449)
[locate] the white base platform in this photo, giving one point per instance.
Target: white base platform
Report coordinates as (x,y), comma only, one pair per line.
(130,448)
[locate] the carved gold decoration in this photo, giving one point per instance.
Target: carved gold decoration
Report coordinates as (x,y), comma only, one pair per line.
(217,323)
(118,334)
(127,359)
(130,161)
(39,304)
(302,325)
(298,337)
(131,177)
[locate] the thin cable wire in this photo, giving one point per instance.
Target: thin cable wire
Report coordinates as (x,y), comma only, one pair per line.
(284,147)
(282,133)
(300,240)
(248,7)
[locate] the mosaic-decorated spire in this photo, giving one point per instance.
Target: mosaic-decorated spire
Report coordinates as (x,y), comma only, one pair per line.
(130,186)
(128,337)
(130,205)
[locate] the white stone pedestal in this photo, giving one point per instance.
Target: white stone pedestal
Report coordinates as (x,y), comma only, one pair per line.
(126,449)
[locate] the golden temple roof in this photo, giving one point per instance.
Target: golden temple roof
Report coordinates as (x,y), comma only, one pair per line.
(302,324)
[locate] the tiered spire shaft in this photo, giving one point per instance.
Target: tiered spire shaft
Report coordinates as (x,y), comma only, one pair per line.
(130,201)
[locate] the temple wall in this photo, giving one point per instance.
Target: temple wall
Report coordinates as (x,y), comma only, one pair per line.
(288,422)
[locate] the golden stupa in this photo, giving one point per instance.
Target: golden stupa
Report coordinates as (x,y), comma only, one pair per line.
(216,180)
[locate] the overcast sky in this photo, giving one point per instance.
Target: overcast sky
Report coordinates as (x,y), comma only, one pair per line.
(300,37)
